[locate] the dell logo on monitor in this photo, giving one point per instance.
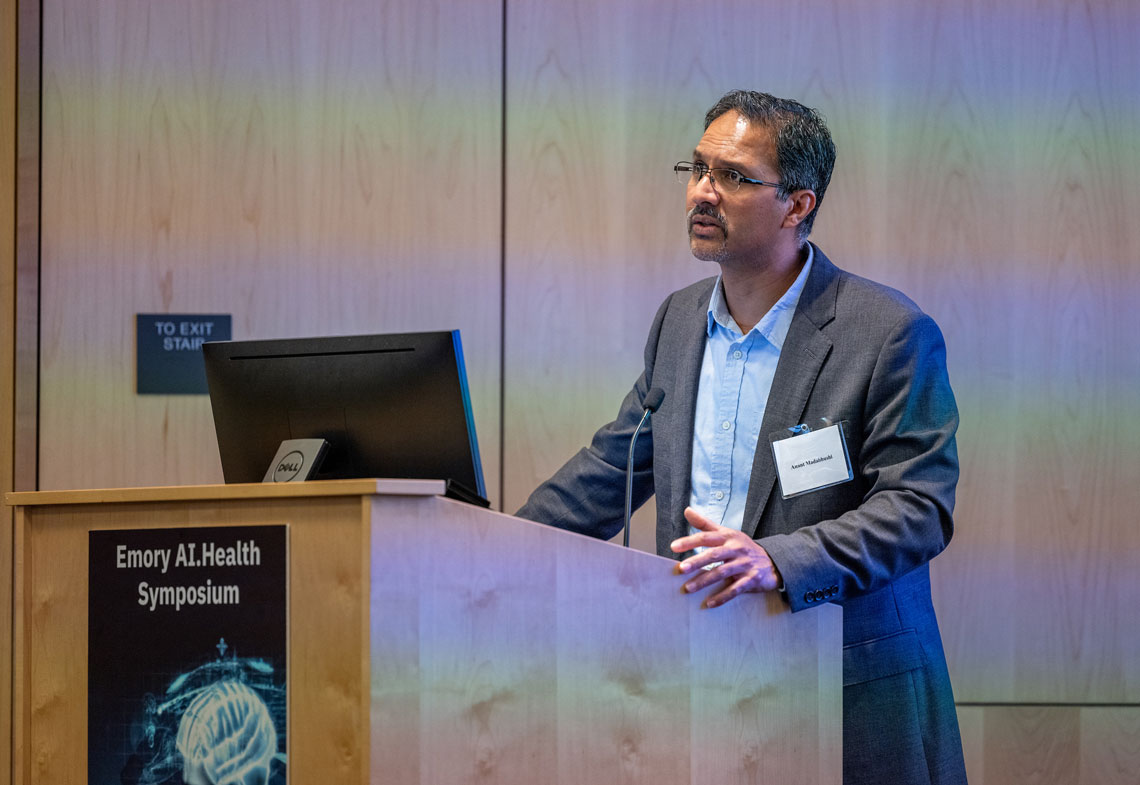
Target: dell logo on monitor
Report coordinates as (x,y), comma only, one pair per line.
(289,467)
(296,460)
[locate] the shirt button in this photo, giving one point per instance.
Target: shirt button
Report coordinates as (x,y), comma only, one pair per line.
(719,495)
(725,425)
(737,354)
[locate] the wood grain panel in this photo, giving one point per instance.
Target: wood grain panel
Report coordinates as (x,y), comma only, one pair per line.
(560,654)
(626,716)
(289,490)
(311,168)
(326,561)
(1051,745)
(490,653)
(1077,489)
(510,672)
(327,568)
(8,39)
(947,144)
(1110,745)
(755,744)
(1032,744)
(396,677)
(26,321)
(971,724)
(1048,449)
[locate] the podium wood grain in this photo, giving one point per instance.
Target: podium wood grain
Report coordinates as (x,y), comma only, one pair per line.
(540,655)
(327,669)
(435,642)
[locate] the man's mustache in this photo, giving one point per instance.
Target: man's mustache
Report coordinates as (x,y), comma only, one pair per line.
(708,211)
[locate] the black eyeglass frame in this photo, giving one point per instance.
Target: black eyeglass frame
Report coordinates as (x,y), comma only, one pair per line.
(730,182)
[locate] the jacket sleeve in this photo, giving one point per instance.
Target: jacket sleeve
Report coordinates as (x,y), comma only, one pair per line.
(908,465)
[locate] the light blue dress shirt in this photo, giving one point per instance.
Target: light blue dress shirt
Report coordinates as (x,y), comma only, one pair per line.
(736,377)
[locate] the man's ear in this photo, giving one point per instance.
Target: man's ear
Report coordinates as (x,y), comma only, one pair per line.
(800,205)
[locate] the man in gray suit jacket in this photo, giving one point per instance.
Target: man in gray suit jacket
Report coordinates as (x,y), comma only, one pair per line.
(824,346)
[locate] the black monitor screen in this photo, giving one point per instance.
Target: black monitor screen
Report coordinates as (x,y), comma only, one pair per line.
(389,405)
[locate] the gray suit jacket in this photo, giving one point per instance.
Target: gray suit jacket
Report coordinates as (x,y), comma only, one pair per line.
(856,351)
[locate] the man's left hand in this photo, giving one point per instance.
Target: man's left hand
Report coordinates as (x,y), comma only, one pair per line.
(744,565)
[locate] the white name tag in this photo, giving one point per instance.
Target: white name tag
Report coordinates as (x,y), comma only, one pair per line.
(812,460)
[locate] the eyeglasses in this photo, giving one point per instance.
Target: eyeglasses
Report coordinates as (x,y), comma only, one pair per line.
(726,180)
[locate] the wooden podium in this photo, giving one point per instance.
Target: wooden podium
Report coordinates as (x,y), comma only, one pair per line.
(435,642)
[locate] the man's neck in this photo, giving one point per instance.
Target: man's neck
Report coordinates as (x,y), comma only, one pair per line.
(751,290)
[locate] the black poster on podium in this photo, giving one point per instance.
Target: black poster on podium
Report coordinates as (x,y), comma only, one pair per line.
(186,667)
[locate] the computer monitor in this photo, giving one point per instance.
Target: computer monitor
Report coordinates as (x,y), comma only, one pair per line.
(389,405)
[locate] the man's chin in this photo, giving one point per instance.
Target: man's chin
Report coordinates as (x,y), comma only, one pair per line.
(706,251)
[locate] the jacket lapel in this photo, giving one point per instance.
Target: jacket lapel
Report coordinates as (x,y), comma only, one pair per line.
(690,356)
(801,358)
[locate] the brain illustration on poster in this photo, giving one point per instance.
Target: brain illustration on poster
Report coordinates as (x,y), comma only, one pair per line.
(187,651)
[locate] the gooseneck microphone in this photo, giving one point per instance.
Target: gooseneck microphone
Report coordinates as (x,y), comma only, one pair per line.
(652,401)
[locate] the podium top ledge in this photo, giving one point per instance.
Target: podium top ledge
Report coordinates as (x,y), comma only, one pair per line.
(284,490)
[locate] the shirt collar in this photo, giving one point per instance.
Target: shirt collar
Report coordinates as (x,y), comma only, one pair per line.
(776,323)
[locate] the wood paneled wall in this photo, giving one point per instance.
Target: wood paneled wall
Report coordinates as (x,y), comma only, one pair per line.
(27,245)
(1077,745)
(8,38)
(309,167)
(327,168)
(987,163)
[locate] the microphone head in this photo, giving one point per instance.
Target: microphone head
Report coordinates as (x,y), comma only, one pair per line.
(653,399)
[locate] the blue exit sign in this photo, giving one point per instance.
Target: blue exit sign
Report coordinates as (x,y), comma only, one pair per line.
(169,356)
